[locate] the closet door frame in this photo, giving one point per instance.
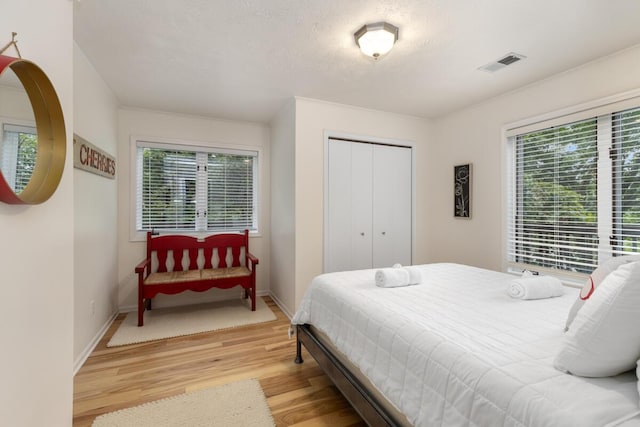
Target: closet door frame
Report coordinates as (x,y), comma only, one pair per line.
(328,134)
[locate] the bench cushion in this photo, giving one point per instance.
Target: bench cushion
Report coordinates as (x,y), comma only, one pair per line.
(223,273)
(194,275)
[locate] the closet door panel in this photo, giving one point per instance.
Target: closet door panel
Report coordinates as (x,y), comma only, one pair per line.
(338,243)
(361,203)
(391,206)
(350,199)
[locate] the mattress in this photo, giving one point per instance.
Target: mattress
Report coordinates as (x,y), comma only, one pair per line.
(456,350)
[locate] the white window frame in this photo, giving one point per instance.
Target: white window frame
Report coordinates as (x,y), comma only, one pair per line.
(598,108)
(199,146)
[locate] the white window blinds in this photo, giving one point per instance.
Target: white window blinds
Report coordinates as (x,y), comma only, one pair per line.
(189,190)
(625,155)
(18,154)
(574,193)
(231,195)
(554,221)
(167,189)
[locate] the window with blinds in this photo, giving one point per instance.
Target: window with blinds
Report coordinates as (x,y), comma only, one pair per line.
(231,194)
(180,189)
(555,218)
(18,154)
(574,198)
(625,155)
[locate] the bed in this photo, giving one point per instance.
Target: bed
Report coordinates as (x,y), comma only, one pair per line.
(455,350)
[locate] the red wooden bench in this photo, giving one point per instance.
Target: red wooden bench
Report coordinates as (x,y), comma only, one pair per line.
(189,263)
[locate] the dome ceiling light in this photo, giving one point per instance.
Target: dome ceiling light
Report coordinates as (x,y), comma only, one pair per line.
(376,40)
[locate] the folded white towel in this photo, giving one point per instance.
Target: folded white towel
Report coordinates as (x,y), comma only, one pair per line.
(415,275)
(535,287)
(392,277)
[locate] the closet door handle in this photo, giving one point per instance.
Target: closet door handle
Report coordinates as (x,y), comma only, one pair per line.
(384,233)
(362,234)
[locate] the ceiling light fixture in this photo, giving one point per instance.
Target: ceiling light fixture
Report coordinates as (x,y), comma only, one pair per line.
(376,40)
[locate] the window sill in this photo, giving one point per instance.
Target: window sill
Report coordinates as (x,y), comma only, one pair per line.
(141,236)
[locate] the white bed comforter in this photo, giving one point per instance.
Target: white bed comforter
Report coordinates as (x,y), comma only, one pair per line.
(457,351)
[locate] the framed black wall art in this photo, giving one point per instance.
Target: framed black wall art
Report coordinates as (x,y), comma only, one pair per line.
(462,191)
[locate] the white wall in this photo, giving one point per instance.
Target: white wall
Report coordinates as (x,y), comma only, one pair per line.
(186,128)
(95,211)
(474,135)
(14,102)
(282,207)
(312,118)
(37,246)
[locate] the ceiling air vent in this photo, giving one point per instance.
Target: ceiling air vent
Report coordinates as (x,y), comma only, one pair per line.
(508,59)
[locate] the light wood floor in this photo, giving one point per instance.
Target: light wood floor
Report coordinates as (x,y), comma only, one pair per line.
(298,395)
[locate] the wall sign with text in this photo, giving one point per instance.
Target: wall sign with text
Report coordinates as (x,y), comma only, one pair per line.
(90,158)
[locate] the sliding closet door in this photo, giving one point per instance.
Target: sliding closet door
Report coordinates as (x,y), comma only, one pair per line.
(361,201)
(368,210)
(349,206)
(391,206)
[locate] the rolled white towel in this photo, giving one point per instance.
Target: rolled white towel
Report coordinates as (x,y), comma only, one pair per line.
(527,273)
(535,287)
(392,277)
(415,274)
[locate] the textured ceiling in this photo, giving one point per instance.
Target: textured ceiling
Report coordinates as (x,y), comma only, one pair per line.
(242,59)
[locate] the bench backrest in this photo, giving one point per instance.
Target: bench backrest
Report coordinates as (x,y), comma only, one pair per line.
(216,245)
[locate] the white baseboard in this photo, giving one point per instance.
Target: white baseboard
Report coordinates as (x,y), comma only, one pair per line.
(127,308)
(77,364)
(281,305)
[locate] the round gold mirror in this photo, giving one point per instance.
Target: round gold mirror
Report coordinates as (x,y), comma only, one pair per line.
(31,157)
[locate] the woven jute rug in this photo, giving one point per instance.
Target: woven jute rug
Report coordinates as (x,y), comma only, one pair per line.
(240,403)
(171,322)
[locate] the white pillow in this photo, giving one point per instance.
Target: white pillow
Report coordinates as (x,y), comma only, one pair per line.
(594,280)
(604,339)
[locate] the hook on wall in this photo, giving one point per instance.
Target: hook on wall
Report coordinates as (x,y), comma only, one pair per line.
(13,43)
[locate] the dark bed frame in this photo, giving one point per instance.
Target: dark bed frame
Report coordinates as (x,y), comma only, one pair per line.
(365,404)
